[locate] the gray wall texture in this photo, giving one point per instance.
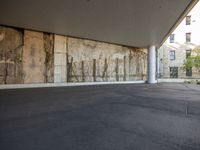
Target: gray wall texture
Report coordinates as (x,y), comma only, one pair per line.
(37,57)
(180,58)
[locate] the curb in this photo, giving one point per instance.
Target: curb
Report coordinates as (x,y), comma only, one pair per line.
(44,85)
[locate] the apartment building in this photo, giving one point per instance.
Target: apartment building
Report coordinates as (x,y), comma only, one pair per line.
(179,45)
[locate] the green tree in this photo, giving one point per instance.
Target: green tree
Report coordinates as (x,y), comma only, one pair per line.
(193,61)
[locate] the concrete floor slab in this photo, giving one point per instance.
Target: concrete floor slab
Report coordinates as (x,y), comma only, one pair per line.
(105,117)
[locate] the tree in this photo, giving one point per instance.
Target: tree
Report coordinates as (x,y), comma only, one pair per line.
(193,61)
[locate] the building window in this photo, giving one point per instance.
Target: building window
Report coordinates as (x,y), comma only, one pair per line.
(171,38)
(173,72)
(188,20)
(189,72)
(188,53)
(188,37)
(172,55)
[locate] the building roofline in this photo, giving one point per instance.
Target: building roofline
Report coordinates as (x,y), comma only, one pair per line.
(180,19)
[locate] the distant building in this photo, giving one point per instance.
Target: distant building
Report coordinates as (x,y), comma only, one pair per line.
(173,53)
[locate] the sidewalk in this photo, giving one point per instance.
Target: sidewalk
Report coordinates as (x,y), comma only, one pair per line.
(40,85)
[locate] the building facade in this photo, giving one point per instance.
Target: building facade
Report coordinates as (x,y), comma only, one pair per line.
(174,51)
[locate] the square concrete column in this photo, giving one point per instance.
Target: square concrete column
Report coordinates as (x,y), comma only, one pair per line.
(152,64)
(60,64)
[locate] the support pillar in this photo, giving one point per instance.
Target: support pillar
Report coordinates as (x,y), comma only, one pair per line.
(152,64)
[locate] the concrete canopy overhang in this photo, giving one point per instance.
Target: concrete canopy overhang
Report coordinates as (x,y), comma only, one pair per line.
(137,23)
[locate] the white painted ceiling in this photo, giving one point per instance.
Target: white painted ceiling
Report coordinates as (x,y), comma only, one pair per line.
(137,23)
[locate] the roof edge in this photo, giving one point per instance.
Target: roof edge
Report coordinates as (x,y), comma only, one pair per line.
(180,19)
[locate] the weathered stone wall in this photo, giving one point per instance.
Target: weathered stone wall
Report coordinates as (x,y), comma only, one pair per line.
(180,56)
(37,57)
(49,57)
(11,49)
(60,65)
(98,61)
(25,56)
(33,57)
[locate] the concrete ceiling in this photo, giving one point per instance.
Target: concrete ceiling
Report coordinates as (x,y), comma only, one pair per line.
(137,23)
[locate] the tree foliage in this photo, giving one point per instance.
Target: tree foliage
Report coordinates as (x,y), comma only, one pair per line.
(193,61)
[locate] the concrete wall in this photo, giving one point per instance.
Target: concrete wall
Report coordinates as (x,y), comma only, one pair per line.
(98,61)
(11,50)
(60,52)
(25,56)
(37,57)
(49,57)
(33,57)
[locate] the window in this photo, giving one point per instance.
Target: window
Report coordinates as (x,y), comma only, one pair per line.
(188,37)
(172,55)
(173,72)
(188,20)
(171,38)
(189,72)
(188,53)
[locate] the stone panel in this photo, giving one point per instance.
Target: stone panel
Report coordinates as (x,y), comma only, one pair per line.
(49,57)
(60,52)
(33,57)
(60,59)
(11,47)
(60,44)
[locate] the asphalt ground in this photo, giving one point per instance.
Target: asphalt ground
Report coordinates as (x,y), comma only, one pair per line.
(163,116)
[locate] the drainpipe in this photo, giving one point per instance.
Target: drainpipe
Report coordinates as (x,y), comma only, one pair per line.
(157,65)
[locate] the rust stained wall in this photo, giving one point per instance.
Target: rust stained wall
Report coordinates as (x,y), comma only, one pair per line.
(11,48)
(98,61)
(49,57)
(33,57)
(26,56)
(37,57)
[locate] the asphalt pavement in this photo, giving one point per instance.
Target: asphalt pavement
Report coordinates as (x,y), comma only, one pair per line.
(163,116)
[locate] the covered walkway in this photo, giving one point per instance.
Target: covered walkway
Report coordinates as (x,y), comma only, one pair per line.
(103,117)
